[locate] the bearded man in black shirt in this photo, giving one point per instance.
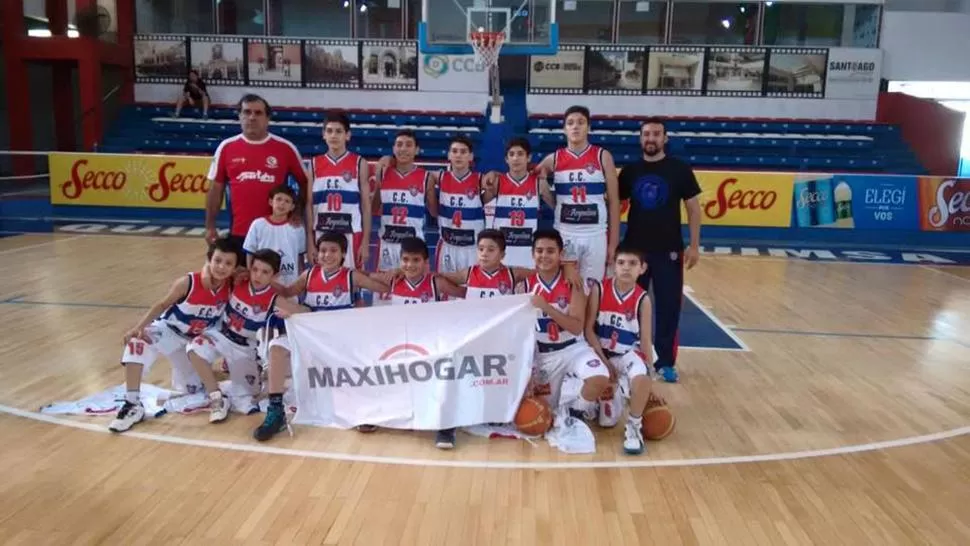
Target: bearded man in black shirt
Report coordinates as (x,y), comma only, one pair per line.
(655,186)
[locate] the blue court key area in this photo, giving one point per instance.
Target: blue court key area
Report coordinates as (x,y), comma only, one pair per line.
(698,331)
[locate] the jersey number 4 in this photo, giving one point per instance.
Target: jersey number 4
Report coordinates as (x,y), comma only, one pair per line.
(335,202)
(237,322)
(456,219)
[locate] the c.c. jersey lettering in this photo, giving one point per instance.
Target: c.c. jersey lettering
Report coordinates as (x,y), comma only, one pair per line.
(580,186)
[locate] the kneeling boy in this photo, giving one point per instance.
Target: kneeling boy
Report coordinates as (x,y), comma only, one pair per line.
(618,326)
(193,304)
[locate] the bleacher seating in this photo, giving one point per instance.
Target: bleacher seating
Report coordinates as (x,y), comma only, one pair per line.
(149,128)
(750,144)
(739,144)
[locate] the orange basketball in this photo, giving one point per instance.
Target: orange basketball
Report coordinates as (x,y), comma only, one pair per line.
(658,421)
(534,417)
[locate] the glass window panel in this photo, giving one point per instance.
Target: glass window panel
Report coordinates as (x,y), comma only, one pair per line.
(642,22)
(306,18)
(414,17)
(375,19)
(864,26)
(174,16)
(242,17)
(717,23)
(581,21)
(818,25)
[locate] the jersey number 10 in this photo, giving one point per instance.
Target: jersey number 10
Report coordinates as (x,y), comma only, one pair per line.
(335,202)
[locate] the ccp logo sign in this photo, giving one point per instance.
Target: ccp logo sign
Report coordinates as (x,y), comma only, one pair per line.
(437,66)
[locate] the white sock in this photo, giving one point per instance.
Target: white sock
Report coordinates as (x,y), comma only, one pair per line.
(215,395)
(132,396)
(636,421)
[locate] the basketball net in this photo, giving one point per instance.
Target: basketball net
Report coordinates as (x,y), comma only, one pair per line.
(487,46)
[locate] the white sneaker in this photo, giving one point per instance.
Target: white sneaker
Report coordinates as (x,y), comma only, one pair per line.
(633,439)
(610,408)
(128,416)
(219,407)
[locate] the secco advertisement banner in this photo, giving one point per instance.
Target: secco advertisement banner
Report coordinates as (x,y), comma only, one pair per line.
(744,199)
(469,363)
(122,180)
(855,201)
(944,204)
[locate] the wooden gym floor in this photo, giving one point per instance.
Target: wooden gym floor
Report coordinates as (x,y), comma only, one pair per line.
(845,423)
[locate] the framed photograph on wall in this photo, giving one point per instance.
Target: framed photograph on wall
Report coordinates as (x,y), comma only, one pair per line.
(218,59)
(796,72)
(562,73)
(615,70)
(275,62)
(735,71)
(675,70)
(161,59)
(389,64)
(332,64)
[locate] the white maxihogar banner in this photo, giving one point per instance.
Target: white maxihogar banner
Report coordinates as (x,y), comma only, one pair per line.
(421,367)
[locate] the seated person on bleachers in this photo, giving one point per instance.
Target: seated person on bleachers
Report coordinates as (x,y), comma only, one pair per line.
(193,93)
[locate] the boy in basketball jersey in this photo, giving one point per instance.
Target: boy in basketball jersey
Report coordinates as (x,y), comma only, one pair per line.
(618,325)
(561,348)
(340,188)
(418,285)
(490,277)
(407,195)
(516,194)
(461,214)
(587,211)
(327,286)
(193,304)
(251,303)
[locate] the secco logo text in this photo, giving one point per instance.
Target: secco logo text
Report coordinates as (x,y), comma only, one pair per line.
(171,181)
(750,199)
(731,197)
(949,205)
(83,178)
(409,363)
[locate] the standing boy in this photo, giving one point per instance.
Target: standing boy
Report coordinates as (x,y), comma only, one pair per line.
(340,189)
(587,198)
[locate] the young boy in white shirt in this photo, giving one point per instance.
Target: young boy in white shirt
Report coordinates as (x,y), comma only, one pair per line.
(278,232)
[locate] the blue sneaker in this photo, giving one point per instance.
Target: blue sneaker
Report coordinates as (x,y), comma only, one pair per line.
(669,374)
(273,424)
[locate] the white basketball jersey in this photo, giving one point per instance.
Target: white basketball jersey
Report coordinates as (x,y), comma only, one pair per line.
(336,193)
(461,215)
(580,186)
(403,204)
(517,209)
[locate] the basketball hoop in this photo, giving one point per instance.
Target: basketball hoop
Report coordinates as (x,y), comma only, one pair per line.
(487,46)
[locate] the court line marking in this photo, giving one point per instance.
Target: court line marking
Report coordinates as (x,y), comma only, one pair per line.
(710,315)
(852,335)
(403,461)
(36,245)
(944,272)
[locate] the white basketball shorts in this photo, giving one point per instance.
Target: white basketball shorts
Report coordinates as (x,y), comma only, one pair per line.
(577,361)
(242,360)
(280,341)
(628,366)
(162,340)
(388,256)
(589,252)
(451,258)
